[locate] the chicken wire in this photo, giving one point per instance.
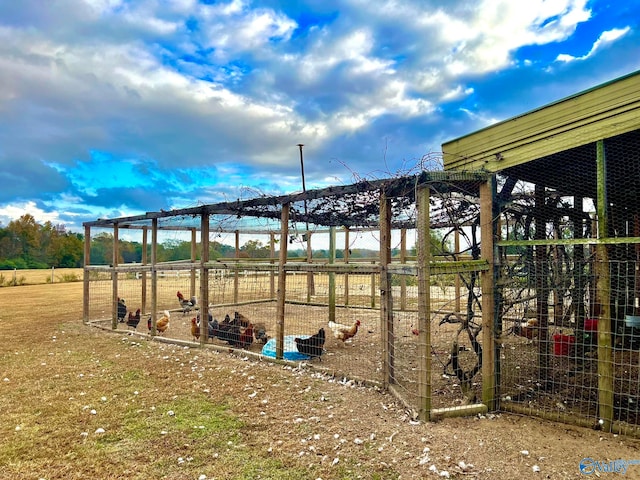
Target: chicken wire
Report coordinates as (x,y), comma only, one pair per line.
(567,264)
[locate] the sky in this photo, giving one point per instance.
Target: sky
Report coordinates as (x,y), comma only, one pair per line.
(112,108)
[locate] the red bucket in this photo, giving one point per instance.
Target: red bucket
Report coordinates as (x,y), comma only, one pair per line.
(591,325)
(562,344)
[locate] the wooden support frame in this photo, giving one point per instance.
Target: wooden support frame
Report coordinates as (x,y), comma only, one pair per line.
(490,353)
(204,277)
(154,275)
(114,278)
(386,300)
(143,274)
(424,303)
(332,275)
(603,276)
(282,281)
(86,278)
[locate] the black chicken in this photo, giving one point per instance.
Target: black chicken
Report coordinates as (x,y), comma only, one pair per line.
(122,310)
(229,330)
(134,320)
(312,346)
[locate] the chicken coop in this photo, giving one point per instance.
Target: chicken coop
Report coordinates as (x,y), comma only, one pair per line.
(510,281)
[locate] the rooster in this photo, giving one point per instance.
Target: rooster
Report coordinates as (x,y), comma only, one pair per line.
(187,305)
(312,346)
(162,323)
(343,332)
(134,320)
(122,310)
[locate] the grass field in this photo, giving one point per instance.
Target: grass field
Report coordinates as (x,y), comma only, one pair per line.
(35,277)
(77,402)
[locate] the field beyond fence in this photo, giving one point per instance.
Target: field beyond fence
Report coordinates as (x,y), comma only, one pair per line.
(12,278)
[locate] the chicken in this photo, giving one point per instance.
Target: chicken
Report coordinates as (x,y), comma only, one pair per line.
(228,330)
(134,320)
(528,329)
(187,305)
(344,332)
(122,310)
(195,328)
(312,346)
(246,337)
(240,319)
(162,323)
(260,332)
(212,327)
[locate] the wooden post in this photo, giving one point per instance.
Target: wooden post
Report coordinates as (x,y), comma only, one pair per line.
(144,272)
(372,293)
(605,361)
(386,299)
(194,252)
(272,254)
(488,282)
(114,279)
(154,275)
(204,276)
(403,260)
(424,303)
(311,286)
(282,281)
(236,277)
(456,256)
(86,278)
(542,286)
(346,261)
(332,275)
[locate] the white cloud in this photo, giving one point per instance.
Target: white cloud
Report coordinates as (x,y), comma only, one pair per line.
(603,40)
(16,210)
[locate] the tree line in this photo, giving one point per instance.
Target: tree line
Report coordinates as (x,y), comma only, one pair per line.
(24,243)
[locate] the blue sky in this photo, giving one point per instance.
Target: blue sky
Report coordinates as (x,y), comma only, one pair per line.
(111,108)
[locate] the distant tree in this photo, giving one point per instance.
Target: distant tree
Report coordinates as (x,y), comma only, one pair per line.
(255,249)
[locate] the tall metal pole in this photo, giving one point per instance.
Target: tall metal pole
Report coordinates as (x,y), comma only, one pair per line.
(304,187)
(310,282)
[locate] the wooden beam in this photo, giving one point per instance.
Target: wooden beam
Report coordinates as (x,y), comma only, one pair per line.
(386,300)
(236,276)
(143,274)
(204,277)
(424,304)
(488,282)
(332,275)
(603,282)
(154,275)
(346,261)
(114,280)
(86,278)
(282,281)
(194,249)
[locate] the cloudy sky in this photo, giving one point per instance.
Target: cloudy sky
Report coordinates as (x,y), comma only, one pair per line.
(117,107)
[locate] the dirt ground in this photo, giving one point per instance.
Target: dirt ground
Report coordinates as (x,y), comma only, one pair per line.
(300,413)
(349,419)
(318,418)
